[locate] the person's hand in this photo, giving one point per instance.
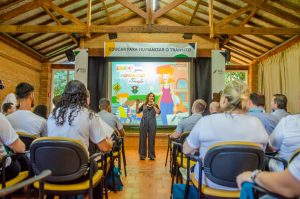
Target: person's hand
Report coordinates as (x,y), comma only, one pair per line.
(109,141)
(243,177)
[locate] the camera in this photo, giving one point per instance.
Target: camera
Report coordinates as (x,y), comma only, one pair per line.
(1,85)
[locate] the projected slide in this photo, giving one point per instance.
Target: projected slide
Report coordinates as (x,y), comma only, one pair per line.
(132,81)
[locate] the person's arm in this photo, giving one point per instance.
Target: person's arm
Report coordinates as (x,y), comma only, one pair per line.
(282,183)
(179,129)
(192,142)
(17,146)
(156,108)
(139,109)
(122,132)
(105,145)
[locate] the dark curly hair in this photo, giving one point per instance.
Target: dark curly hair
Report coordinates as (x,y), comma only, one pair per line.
(73,99)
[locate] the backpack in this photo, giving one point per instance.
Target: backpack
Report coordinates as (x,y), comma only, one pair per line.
(114,172)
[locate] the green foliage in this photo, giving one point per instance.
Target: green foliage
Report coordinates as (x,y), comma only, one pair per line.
(61,78)
(235,75)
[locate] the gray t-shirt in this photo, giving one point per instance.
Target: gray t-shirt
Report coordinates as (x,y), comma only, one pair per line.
(187,124)
(279,114)
(28,122)
(110,119)
(7,136)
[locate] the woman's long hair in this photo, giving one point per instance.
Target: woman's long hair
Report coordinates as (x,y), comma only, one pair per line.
(73,99)
(147,98)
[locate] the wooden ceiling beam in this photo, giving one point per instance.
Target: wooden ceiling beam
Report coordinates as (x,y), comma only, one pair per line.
(285,4)
(89,19)
(20,10)
(233,16)
(167,8)
(10,4)
(230,30)
(22,47)
(58,23)
(243,52)
(211,19)
(133,8)
(246,47)
(240,57)
(149,9)
(61,50)
(237,60)
(275,11)
(61,11)
(245,21)
(107,13)
(195,11)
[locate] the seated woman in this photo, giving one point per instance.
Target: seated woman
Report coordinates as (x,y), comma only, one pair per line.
(72,119)
(231,125)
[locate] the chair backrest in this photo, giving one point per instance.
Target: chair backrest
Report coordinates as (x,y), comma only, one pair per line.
(183,137)
(224,161)
(66,158)
(27,139)
(295,154)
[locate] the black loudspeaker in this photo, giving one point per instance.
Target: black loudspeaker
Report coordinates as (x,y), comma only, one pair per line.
(112,35)
(70,55)
(226,54)
(187,36)
(1,85)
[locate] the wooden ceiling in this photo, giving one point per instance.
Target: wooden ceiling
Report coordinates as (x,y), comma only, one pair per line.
(249,28)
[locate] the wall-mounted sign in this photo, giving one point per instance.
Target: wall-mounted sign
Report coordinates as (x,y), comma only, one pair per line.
(124,49)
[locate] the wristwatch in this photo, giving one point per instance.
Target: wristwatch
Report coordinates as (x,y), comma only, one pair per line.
(254,174)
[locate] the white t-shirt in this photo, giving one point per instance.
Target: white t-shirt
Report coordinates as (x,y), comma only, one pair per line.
(83,128)
(7,136)
(223,127)
(28,122)
(286,136)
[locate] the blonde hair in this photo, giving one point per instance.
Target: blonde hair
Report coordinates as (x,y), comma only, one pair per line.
(199,106)
(237,94)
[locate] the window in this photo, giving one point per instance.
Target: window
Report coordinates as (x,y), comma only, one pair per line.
(236,75)
(182,84)
(59,80)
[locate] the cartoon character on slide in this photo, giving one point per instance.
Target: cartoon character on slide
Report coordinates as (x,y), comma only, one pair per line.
(166,73)
(123,108)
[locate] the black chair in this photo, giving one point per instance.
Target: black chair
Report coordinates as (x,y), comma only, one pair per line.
(26,183)
(27,139)
(19,178)
(222,163)
(73,171)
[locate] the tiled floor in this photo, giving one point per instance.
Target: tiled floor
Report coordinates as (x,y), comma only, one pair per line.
(145,179)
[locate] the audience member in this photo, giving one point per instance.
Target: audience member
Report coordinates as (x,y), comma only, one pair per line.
(9,138)
(214,107)
(186,124)
(285,139)
(10,98)
(72,119)
(278,104)
(111,119)
(24,120)
(285,183)
(8,108)
(56,100)
(41,110)
(255,108)
(231,125)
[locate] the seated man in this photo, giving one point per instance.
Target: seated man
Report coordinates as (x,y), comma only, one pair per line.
(186,124)
(8,137)
(214,107)
(109,118)
(24,120)
(285,139)
(285,183)
(278,105)
(255,106)
(8,108)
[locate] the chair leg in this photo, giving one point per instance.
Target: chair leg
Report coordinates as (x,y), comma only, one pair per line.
(124,160)
(167,151)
